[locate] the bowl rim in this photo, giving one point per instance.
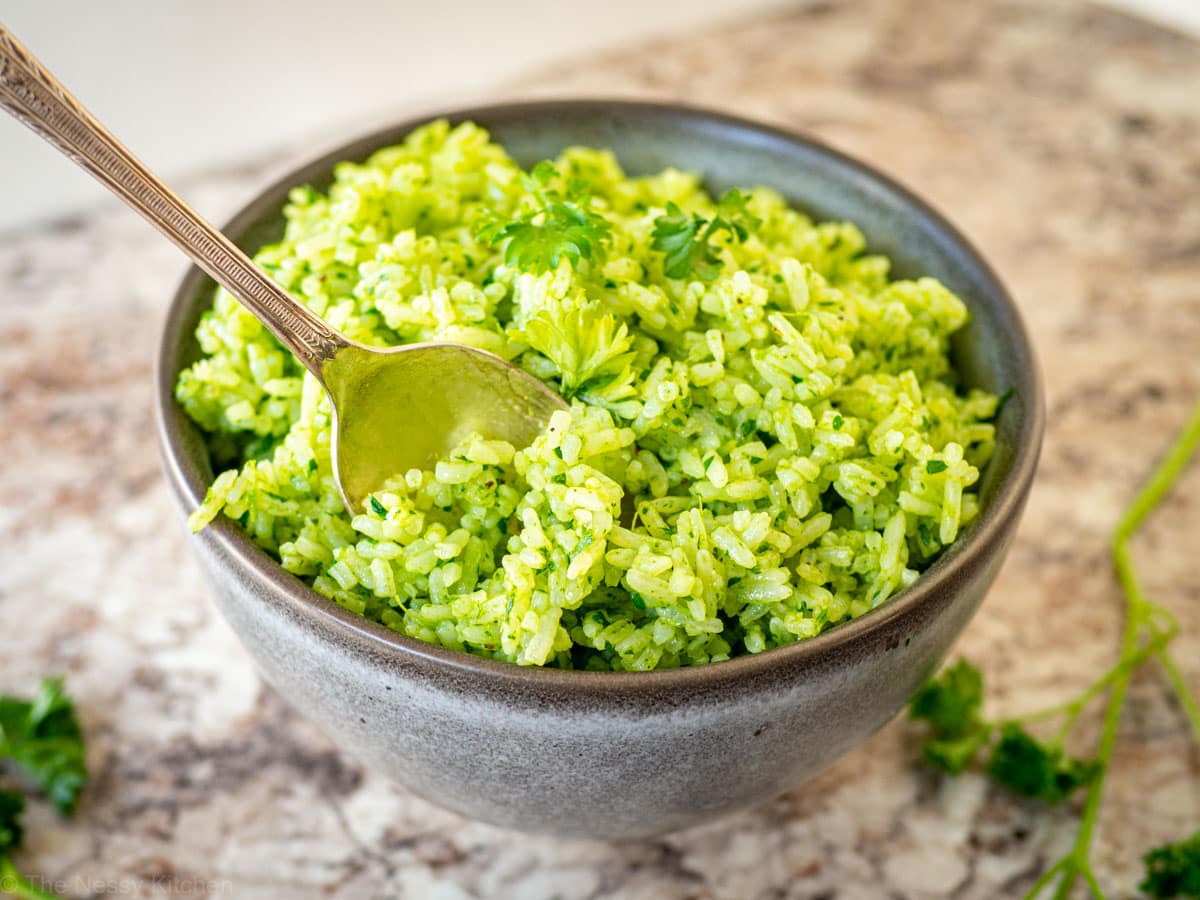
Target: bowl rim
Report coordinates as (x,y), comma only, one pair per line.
(307,606)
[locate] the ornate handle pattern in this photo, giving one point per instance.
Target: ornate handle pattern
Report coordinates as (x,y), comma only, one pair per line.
(38,99)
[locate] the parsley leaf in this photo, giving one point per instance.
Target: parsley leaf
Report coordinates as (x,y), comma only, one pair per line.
(954,754)
(589,349)
(1029,767)
(562,226)
(586,538)
(678,236)
(1173,870)
(686,241)
(44,740)
(952,702)
(734,214)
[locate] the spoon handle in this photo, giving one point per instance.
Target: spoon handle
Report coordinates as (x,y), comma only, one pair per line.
(37,98)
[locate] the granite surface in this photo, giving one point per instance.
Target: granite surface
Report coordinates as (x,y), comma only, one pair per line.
(1064,139)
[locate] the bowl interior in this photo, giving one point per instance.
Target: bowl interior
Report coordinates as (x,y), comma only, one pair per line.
(992,352)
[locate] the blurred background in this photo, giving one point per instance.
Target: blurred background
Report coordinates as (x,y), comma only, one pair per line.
(196,85)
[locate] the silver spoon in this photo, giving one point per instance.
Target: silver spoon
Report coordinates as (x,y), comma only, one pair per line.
(393,409)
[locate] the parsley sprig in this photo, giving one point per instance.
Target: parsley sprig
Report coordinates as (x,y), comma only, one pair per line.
(957,731)
(952,704)
(42,739)
(561,226)
(687,241)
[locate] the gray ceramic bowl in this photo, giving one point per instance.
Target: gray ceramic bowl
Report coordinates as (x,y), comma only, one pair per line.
(626,755)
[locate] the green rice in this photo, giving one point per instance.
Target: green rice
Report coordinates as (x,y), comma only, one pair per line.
(748,460)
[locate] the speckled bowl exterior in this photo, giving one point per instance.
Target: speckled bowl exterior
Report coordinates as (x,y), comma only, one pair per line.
(625,755)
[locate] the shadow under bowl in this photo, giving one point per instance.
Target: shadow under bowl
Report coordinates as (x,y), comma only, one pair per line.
(625,755)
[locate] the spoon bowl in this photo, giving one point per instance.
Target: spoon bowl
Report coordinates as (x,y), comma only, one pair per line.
(405,407)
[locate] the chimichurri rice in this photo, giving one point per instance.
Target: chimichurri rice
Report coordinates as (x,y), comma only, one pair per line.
(766,436)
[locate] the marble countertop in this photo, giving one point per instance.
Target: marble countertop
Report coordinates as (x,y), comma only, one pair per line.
(1064,139)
